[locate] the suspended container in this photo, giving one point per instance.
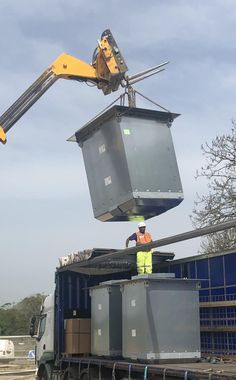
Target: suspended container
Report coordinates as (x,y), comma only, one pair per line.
(130,163)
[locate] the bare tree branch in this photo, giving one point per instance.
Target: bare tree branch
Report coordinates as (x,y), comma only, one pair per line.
(219,204)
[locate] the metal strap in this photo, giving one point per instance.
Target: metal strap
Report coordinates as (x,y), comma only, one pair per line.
(164,373)
(130,365)
(145,373)
(104,110)
(79,368)
(88,368)
(151,101)
(99,371)
(113,372)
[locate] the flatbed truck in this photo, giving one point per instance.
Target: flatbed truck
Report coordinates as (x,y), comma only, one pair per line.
(71,299)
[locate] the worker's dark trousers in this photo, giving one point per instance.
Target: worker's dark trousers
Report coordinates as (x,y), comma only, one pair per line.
(144,262)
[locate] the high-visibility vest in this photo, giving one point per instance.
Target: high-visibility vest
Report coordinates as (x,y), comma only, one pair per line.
(143,238)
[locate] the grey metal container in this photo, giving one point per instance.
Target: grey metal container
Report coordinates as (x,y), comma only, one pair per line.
(160,318)
(106,319)
(130,163)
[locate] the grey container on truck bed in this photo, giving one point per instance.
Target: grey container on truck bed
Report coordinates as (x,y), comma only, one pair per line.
(106,319)
(160,318)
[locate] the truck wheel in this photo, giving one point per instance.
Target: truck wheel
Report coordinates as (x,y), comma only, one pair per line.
(70,374)
(84,375)
(92,374)
(45,373)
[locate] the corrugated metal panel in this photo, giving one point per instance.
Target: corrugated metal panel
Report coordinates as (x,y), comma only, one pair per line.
(217,298)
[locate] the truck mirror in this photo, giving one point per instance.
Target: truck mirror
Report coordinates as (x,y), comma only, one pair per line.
(32,326)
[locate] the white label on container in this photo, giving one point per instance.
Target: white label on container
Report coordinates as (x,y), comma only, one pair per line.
(133,303)
(133,332)
(102,148)
(99,332)
(107,180)
(99,306)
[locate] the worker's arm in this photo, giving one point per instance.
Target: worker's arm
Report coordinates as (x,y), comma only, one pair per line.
(133,237)
(106,72)
(127,243)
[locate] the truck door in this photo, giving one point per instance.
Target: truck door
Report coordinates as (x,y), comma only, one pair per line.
(41,338)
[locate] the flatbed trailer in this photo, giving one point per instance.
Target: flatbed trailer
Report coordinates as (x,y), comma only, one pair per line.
(100,368)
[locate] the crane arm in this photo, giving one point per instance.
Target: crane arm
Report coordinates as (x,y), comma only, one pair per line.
(106,71)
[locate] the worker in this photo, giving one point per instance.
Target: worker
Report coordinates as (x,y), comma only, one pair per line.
(144,258)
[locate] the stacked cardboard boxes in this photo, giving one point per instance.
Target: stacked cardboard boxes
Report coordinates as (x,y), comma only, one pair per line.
(77,336)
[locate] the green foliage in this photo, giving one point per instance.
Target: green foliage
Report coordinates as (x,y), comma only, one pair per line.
(15,318)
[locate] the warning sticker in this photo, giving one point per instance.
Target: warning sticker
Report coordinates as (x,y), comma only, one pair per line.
(126,132)
(107,180)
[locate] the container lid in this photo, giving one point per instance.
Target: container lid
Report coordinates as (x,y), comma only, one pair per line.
(153,276)
(118,111)
(160,277)
(108,283)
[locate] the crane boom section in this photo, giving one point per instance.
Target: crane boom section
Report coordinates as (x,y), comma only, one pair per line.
(67,66)
(106,71)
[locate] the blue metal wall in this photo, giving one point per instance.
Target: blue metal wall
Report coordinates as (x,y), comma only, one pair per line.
(72,299)
(217,274)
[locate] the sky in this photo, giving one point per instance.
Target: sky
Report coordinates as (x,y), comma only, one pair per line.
(46,210)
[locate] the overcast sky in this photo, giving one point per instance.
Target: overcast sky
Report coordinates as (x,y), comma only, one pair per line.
(46,210)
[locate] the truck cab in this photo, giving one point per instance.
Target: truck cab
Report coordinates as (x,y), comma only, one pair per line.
(44,337)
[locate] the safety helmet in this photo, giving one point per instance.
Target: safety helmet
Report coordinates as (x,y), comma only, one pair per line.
(141,224)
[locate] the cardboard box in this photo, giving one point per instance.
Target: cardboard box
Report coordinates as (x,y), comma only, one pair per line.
(77,343)
(78,325)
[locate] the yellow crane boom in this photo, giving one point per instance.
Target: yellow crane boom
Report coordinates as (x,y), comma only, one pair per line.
(106,71)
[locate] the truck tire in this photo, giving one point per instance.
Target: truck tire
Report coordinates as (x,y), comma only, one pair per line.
(70,374)
(45,373)
(84,375)
(91,374)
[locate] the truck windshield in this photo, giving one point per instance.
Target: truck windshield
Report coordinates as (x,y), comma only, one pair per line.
(42,325)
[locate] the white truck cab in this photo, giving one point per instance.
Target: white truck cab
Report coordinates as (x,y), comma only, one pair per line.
(44,338)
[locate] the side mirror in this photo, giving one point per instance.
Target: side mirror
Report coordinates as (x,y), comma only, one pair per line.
(32,326)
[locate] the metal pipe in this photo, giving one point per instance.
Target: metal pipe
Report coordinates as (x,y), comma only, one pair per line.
(146,71)
(132,81)
(166,241)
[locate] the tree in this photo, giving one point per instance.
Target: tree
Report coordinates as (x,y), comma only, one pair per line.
(26,308)
(219,204)
(14,319)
